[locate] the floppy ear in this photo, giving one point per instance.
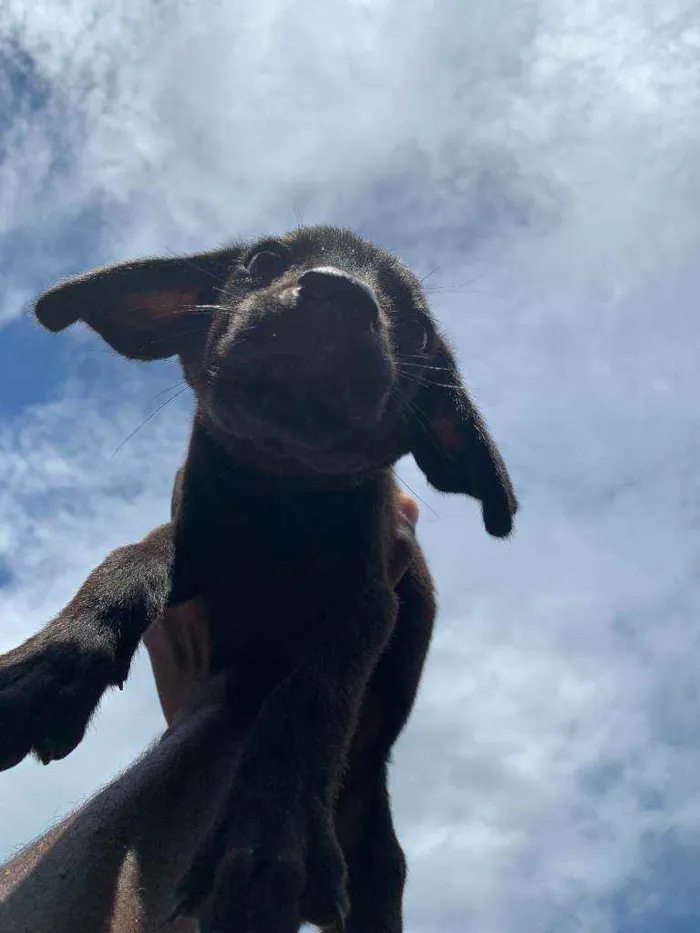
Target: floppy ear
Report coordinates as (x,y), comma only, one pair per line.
(145,309)
(453,448)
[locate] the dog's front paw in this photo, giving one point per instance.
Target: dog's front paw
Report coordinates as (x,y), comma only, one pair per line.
(270,864)
(49,688)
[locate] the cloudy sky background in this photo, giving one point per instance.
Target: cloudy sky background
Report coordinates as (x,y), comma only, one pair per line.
(543,156)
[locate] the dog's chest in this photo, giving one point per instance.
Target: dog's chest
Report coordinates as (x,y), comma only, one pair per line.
(268,604)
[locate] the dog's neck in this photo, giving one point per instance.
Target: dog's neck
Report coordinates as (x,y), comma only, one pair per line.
(229,506)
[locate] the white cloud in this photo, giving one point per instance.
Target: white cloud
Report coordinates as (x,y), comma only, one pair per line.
(551,152)
(66,500)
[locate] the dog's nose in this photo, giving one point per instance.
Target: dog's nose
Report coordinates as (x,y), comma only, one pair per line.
(327,284)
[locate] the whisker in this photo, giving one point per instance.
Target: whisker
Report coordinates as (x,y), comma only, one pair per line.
(147,419)
(425,381)
(191,262)
(298,215)
(202,308)
(422,418)
(416,494)
(411,405)
(428,274)
(177,385)
(412,379)
(437,289)
(409,361)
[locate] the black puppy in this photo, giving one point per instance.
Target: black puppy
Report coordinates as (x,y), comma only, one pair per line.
(316,365)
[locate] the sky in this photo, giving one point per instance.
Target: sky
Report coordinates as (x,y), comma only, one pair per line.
(541,159)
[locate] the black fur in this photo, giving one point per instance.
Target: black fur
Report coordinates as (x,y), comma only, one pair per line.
(316,365)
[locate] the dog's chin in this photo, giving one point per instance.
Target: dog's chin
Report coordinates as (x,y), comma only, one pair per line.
(335,450)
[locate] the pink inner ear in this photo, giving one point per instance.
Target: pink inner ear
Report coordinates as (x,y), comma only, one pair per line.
(160,304)
(447,432)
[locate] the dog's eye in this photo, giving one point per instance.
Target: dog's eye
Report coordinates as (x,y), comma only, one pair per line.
(267,265)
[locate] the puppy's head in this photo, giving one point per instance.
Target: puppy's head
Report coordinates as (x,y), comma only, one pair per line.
(314,352)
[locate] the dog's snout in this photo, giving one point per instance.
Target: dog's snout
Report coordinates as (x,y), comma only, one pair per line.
(328,284)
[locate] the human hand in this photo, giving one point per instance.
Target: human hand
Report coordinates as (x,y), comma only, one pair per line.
(179,646)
